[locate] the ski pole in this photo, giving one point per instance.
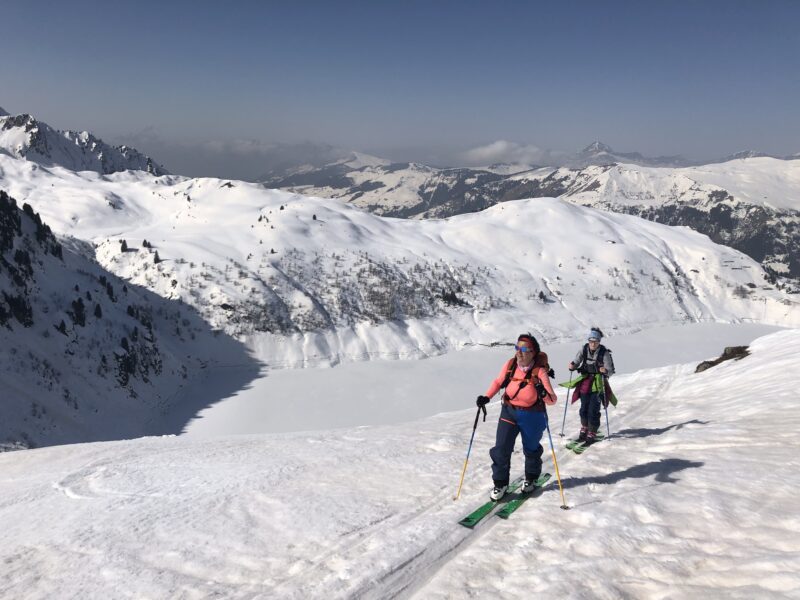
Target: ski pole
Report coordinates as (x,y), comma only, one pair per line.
(566,404)
(469,449)
(605,407)
(555,462)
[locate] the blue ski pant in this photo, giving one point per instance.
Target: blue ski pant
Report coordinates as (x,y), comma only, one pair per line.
(531,424)
(590,411)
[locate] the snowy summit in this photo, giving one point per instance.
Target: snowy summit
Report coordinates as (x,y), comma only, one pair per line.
(23,136)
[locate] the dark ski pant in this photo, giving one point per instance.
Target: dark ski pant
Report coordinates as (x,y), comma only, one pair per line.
(513,422)
(590,411)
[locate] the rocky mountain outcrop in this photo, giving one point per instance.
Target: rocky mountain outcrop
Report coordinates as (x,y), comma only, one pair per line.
(23,136)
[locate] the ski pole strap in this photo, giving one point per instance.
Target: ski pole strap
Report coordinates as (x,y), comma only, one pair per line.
(478,416)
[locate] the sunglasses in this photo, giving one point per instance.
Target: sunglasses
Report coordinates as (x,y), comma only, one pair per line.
(523,349)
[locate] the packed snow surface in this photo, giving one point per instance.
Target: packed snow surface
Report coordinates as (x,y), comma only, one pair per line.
(386,392)
(693,496)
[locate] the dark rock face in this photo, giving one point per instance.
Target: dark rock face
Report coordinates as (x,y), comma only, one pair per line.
(334,176)
(730,353)
(9,223)
(15,258)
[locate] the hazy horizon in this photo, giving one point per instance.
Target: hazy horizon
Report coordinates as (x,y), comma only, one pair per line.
(212,91)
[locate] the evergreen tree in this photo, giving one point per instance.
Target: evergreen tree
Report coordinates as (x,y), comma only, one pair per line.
(78,313)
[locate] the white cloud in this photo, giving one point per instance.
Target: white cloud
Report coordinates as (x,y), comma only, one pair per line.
(503,151)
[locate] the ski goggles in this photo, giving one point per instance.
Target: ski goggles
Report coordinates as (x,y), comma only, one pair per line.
(523,349)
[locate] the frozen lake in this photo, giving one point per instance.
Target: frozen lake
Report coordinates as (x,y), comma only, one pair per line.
(384,392)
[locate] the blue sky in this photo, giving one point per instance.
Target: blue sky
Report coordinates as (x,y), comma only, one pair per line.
(411,80)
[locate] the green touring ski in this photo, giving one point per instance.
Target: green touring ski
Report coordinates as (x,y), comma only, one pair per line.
(518,500)
(479,513)
(579,447)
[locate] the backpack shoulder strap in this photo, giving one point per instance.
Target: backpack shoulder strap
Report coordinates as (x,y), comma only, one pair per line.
(512,366)
(538,362)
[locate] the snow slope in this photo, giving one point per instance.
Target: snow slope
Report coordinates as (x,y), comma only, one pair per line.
(694,496)
(762,181)
(308,281)
(750,203)
(354,394)
(84,355)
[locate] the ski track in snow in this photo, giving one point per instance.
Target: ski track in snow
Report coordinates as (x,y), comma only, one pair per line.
(693,496)
(453,552)
(405,578)
(737,560)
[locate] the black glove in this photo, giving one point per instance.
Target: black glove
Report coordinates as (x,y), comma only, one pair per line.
(541,393)
(482,401)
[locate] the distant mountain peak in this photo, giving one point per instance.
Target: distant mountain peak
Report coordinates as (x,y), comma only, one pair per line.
(360,160)
(596,147)
(25,137)
(745,154)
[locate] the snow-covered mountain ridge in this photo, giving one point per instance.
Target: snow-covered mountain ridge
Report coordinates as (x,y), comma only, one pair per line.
(306,280)
(85,355)
(23,136)
(751,204)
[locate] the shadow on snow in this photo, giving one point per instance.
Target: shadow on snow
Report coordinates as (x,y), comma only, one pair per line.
(645,432)
(664,471)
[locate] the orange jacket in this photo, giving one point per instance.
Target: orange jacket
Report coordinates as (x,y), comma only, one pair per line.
(527,396)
